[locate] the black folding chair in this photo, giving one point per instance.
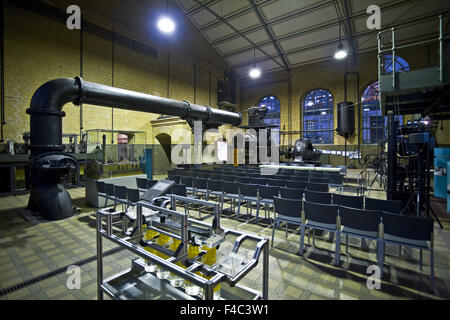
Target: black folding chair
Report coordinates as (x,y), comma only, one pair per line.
(318,197)
(173,177)
(120,193)
(230,191)
(287,211)
(215,188)
(200,186)
(323,217)
(101,192)
(188,182)
(110,195)
(364,224)
(290,193)
(412,232)
(249,194)
(141,184)
(348,201)
(266,194)
(228,178)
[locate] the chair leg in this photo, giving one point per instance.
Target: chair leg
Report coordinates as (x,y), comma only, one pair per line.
(286,229)
(239,208)
(302,239)
(400,251)
(314,237)
(337,250)
(346,243)
(257,210)
(433,287)
(273,231)
(421,261)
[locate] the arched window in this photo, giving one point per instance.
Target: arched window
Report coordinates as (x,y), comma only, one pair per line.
(400,64)
(374,123)
(273,114)
(318,120)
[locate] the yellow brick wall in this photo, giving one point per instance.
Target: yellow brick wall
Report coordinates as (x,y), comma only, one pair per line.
(39,49)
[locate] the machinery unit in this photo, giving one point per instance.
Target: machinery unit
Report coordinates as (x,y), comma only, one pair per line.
(50,166)
(180,258)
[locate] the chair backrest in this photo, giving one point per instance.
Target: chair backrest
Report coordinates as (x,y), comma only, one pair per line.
(260,181)
(100,187)
(133,195)
(316,174)
(322,213)
(248,190)
(296,184)
(360,219)
(215,185)
(187,181)
(151,183)
(215,177)
(109,189)
(242,179)
(415,228)
(230,187)
(348,201)
(392,206)
(318,180)
(228,178)
(288,207)
(141,183)
(178,189)
(277,183)
(268,192)
(120,192)
(200,183)
(203,175)
(318,197)
(334,178)
(320,187)
(291,193)
(174,177)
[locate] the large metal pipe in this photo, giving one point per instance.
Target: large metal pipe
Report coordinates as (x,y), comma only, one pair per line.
(48,196)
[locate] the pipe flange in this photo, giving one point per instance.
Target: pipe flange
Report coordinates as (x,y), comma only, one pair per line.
(82,93)
(208,109)
(46,111)
(188,110)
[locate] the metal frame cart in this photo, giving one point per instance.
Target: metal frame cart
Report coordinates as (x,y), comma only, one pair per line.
(189,261)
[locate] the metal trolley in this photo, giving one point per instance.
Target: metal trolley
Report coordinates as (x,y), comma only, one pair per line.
(138,283)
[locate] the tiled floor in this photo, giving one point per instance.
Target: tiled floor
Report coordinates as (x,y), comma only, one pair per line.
(31,249)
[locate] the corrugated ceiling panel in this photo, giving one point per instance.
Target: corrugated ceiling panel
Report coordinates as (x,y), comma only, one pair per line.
(283,7)
(314,54)
(218,32)
(310,38)
(305,21)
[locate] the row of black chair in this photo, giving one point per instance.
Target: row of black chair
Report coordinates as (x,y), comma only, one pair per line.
(381,226)
(119,194)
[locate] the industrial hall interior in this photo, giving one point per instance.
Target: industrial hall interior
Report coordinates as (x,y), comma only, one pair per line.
(225,150)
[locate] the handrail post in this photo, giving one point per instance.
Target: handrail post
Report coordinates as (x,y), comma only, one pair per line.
(393,58)
(441,48)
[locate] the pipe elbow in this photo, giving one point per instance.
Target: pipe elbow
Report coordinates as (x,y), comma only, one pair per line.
(56,93)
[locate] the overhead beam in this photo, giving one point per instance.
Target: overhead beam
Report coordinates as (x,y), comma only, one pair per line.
(240,33)
(351,31)
(270,34)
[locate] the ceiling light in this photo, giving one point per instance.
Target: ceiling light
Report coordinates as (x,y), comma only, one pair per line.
(340,53)
(166,25)
(254,72)
(366,109)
